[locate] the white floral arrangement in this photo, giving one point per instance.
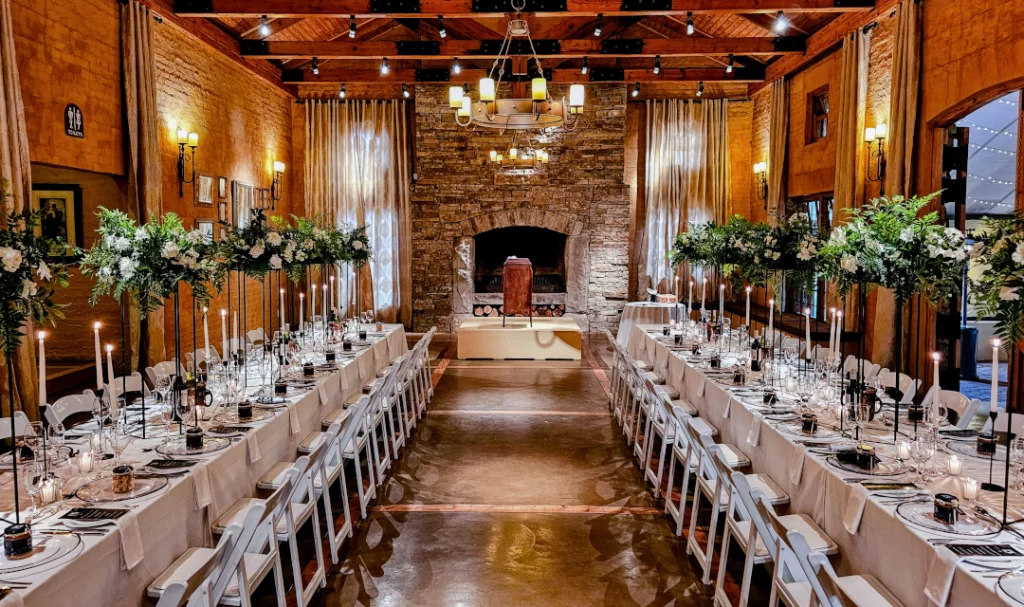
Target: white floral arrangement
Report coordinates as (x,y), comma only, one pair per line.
(997,275)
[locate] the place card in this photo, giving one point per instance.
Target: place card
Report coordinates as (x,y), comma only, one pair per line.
(94,514)
(984,550)
(888,486)
(169,464)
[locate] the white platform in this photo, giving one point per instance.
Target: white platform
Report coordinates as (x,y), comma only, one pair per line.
(547,339)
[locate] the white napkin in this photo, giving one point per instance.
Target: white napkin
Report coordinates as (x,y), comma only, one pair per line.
(253,445)
(321,389)
(700,389)
(754,436)
(293,420)
(132,551)
(855,509)
(201,485)
(798,470)
(13,599)
(728,408)
(940,576)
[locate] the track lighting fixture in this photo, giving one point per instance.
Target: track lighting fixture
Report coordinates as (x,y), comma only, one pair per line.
(316,67)
(341,92)
(264,26)
(781,23)
(657,64)
(585,68)
(384,68)
(636,89)
(405,91)
(689,24)
(352,26)
(700,88)
(456,68)
(600,24)
(440,27)
(728,68)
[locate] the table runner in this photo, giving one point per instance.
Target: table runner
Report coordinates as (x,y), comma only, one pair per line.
(884,546)
(170,523)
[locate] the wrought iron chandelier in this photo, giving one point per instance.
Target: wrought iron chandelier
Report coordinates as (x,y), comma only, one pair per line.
(538,112)
(519,156)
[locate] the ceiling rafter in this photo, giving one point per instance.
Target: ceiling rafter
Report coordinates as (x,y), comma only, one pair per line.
(557,76)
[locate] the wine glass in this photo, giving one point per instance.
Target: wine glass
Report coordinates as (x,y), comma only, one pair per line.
(34,440)
(922,450)
(119,440)
(31,472)
(56,436)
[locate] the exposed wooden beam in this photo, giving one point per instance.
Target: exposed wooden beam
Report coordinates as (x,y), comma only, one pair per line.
(568,49)
(464,8)
(276,26)
(558,76)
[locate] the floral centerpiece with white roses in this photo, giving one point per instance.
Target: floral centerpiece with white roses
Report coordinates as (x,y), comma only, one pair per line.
(308,243)
(997,275)
(148,261)
(743,250)
(28,275)
(255,248)
(701,245)
(356,245)
(791,247)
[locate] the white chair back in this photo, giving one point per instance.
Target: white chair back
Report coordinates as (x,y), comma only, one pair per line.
(126,384)
(964,407)
(256,336)
(818,573)
(906,385)
(22,426)
(67,406)
(167,367)
(197,589)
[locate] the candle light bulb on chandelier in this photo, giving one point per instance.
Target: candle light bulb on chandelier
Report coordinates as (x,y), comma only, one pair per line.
(657,64)
(352,26)
(455,94)
(576,98)
(689,24)
(513,153)
(586,67)
(384,68)
(264,26)
(456,67)
(494,155)
(467,105)
(539,87)
(487,89)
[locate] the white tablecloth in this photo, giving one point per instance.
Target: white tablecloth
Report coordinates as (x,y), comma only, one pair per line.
(884,545)
(642,313)
(171,523)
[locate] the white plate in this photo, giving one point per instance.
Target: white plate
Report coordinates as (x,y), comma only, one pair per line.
(45,548)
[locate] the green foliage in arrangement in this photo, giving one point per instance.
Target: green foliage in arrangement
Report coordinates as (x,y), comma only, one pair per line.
(997,275)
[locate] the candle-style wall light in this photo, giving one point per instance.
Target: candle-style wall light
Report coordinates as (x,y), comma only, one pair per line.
(761,177)
(275,187)
(875,138)
(192,141)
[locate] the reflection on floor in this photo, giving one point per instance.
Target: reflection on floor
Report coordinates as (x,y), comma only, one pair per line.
(516,490)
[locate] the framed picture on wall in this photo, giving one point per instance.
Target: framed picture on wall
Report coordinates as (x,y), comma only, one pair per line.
(204,189)
(222,212)
(222,187)
(205,227)
(242,201)
(61,208)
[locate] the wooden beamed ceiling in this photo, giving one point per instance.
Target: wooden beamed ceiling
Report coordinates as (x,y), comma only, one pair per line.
(290,34)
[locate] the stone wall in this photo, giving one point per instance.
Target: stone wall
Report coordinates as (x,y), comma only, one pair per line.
(458,193)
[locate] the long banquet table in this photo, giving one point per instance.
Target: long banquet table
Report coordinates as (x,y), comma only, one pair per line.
(173,520)
(884,545)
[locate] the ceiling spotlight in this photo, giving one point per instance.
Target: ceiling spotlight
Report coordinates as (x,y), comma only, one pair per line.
(405,91)
(264,27)
(352,26)
(456,68)
(657,64)
(341,93)
(689,24)
(700,88)
(585,68)
(316,67)
(728,68)
(384,68)
(636,89)
(600,23)
(440,27)
(781,23)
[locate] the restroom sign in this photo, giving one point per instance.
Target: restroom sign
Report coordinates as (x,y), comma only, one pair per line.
(74,125)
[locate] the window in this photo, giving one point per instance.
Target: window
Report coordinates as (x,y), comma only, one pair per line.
(817,122)
(818,209)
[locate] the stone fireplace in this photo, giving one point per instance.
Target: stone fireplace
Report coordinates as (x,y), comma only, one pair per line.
(570,217)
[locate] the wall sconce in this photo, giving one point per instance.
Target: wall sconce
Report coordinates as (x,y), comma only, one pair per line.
(876,154)
(192,141)
(761,174)
(275,187)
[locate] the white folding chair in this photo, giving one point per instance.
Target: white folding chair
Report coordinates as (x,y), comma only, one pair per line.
(199,576)
(328,470)
(67,406)
(851,364)
(683,463)
(907,386)
(126,384)
(964,407)
(256,336)
(828,589)
(22,426)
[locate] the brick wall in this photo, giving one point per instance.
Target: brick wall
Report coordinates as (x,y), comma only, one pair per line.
(582,188)
(759,145)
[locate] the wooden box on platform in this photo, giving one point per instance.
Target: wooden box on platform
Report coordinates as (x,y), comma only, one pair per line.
(547,339)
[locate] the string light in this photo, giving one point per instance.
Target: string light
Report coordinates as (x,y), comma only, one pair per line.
(636,89)
(352,26)
(996,150)
(657,64)
(689,24)
(316,67)
(600,23)
(341,92)
(986,129)
(993,203)
(384,68)
(440,27)
(264,26)
(728,68)
(991,179)
(456,68)
(405,91)
(585,68)
(781,23)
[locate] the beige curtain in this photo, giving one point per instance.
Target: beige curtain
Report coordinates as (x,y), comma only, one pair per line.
(850,107)
(906,86)
(143,147)
(778,134)
(15,166)
(687,179)
(358,173)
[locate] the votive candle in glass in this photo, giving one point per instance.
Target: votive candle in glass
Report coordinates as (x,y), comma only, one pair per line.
(903,450)
(970,488)
(955,465)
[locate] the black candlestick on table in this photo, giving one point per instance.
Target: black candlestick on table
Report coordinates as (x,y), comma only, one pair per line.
(990,486)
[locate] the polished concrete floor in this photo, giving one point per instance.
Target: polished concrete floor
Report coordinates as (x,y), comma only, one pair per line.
(516,489)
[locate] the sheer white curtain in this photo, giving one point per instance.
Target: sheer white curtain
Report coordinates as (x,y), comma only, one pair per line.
(357,174)
(687,178)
